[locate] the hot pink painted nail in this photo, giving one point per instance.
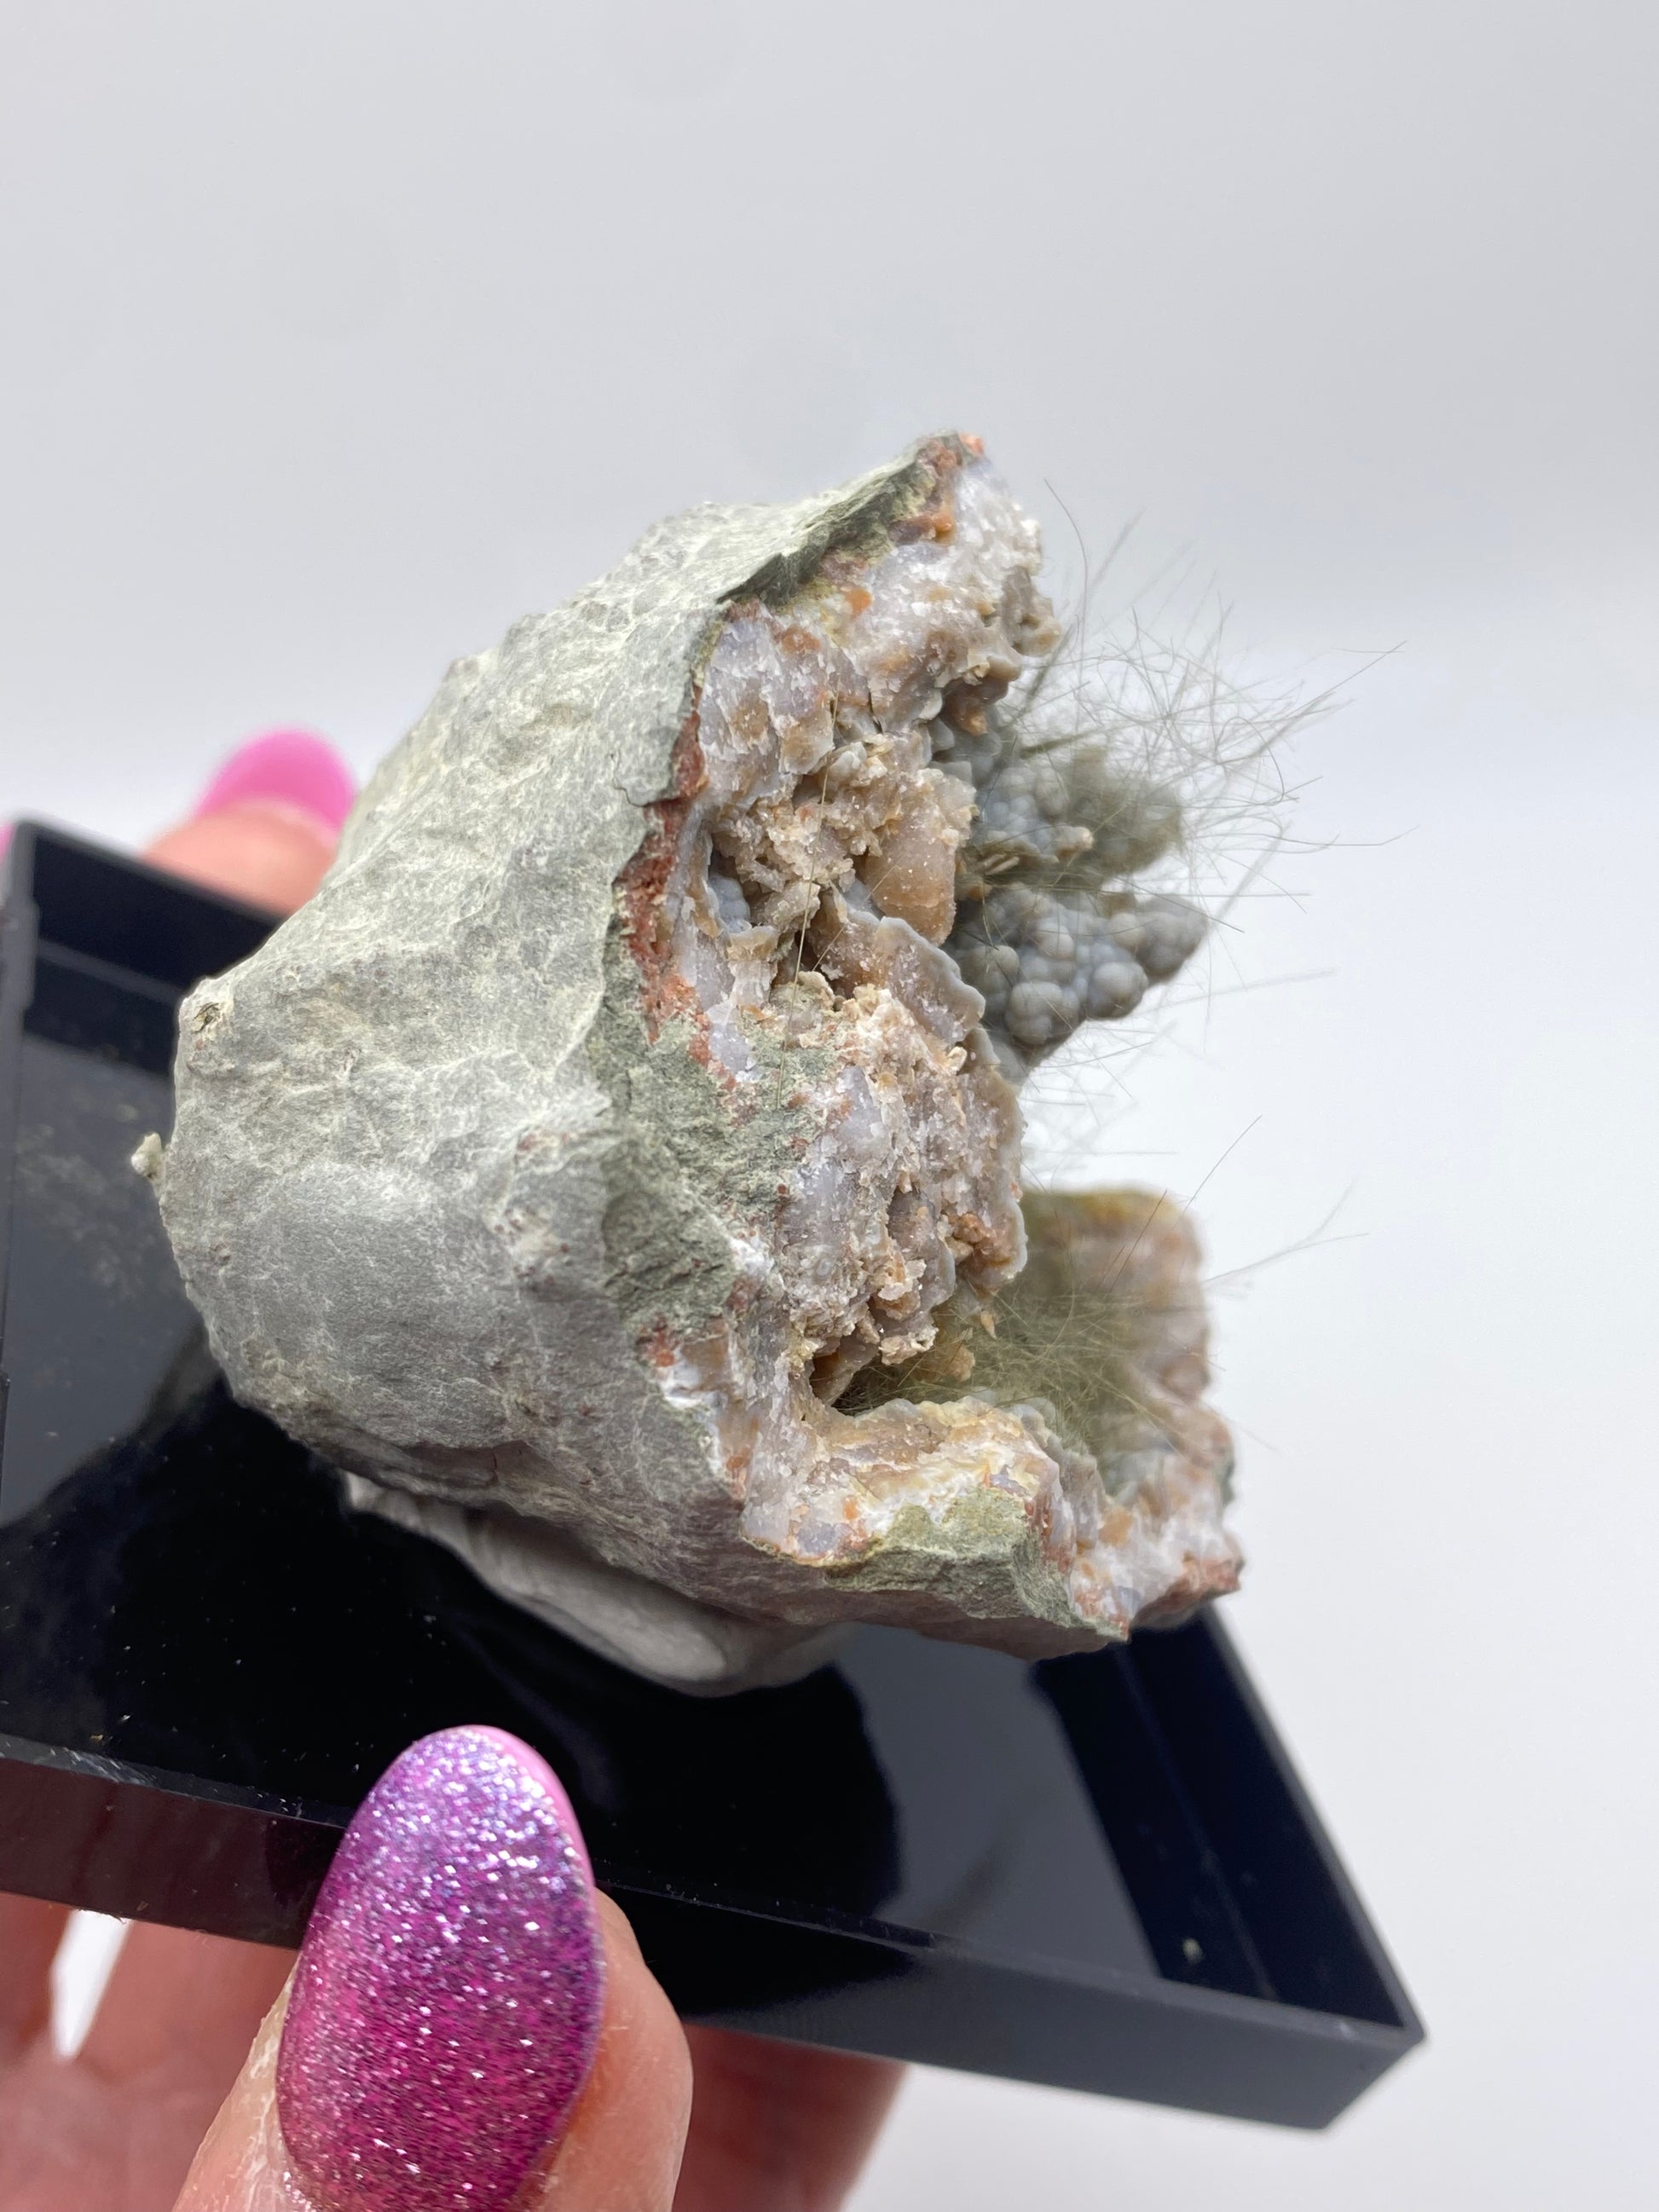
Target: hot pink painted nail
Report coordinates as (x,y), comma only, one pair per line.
(292,767)
(447,2004)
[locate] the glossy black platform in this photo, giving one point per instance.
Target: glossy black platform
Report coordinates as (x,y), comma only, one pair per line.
(1100,1872)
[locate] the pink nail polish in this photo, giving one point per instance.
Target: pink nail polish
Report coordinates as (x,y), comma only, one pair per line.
(291,768)
(447,2004)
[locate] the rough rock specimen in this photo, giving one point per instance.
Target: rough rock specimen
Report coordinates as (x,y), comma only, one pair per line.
(618,1158)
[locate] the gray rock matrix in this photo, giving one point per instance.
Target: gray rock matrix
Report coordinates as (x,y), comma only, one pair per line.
(614,1165)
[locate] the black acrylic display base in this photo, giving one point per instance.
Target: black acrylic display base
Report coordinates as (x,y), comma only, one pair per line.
(1100,1872)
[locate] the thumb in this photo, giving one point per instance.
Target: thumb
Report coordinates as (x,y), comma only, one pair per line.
(470,2027)
(264,830)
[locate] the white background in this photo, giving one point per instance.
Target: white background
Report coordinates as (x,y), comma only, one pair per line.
(337,336)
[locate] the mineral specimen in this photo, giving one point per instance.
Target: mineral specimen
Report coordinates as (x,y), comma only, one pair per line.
(615,1168)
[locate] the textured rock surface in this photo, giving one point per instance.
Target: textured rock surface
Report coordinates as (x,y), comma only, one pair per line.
(622,1139)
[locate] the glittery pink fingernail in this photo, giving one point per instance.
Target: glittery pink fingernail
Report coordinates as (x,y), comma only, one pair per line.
(447,2003)
(290,767)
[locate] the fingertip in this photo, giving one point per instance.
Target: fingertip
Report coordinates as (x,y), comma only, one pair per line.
(265,827)
(293,768)
(242,2164)
(623,2149)
(261,851)
(621,2152)
(451,1989)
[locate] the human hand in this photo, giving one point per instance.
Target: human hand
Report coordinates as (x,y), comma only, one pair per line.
(747,2125)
